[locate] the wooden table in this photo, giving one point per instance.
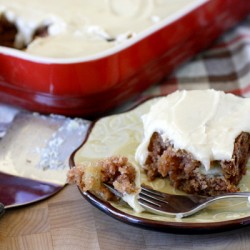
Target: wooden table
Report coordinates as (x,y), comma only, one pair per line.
(67,221)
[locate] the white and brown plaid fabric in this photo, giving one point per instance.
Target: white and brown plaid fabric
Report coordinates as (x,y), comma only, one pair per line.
(225,66)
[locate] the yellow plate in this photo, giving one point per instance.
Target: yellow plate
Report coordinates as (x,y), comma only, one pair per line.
(120,135)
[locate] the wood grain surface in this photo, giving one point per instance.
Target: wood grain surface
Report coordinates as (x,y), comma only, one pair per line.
(67,221)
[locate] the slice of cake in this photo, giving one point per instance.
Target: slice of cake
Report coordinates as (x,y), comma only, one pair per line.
(199,140)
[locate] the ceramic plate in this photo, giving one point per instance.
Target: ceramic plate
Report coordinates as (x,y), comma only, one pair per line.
(120,135)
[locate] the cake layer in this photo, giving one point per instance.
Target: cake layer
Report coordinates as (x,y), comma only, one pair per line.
(187,174)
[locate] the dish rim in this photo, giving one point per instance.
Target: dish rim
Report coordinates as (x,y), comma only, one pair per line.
(108,52)
(188,228)
(34,199)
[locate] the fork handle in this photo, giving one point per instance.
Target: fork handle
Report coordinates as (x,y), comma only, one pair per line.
(227,196)
(2,210)
(237,194)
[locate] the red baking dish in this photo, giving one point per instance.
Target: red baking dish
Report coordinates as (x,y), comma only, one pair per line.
(93,85)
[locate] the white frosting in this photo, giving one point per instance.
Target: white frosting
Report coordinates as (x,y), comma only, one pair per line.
(132,200)
(82,27)
(203,122)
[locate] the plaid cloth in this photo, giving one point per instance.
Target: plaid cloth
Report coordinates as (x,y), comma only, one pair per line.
(225,66)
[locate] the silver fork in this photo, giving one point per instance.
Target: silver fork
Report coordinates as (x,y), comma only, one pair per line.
(176,205)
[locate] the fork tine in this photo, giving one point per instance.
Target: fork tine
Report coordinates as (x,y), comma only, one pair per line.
(159,203)
(151,198)
(156,207)
(149,191)
(113,190)
(148,201)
